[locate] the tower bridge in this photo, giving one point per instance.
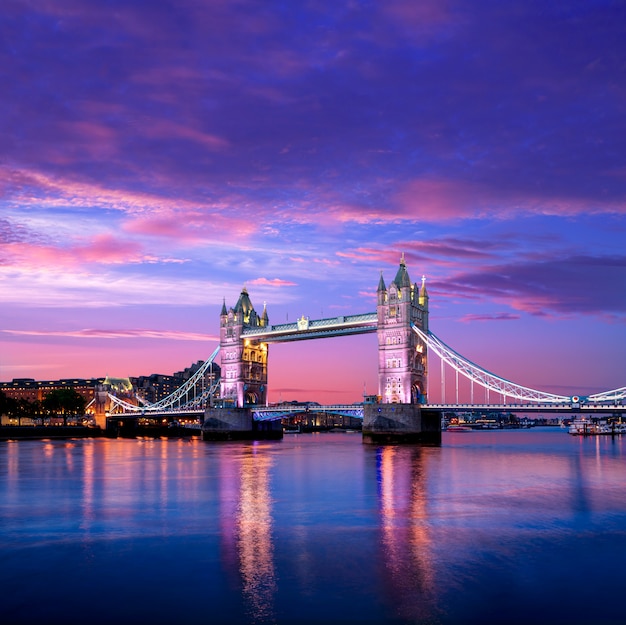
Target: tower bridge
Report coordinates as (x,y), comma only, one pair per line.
(245,337)
(235,405)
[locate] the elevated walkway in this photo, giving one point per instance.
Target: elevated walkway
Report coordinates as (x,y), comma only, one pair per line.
(306,328)
(270,413)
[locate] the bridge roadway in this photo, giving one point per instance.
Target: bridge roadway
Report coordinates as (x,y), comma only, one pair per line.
(269,413)
(356,410)
(305,328)
(608,409)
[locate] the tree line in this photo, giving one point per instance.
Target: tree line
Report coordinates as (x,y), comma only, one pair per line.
(62,402)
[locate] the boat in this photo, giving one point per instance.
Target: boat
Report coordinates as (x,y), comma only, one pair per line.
(587,427)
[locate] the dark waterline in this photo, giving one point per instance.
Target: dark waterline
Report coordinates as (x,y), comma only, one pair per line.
(520,526)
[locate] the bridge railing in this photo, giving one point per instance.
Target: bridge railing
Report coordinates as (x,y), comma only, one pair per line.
(271,413)
(616,395)
(347,323)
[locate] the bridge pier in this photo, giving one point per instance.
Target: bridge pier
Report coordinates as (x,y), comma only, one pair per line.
(401,423)
(234,424)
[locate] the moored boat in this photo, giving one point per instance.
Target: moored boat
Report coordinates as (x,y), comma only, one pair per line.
(587,427)
(459,428)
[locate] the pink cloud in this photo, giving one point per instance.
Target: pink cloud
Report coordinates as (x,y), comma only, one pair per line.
(116,334)
(564,287)
(442,200)
(352,213)
(164,129)
(438,199)
(153,215)
(273,282)
(96,139)
(105,249)
(193,225)
(30,187)
(371,295)
(384,257)
(503,316)
(426,199)
(445,252)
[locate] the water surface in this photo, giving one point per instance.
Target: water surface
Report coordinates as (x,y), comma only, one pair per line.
(525,526)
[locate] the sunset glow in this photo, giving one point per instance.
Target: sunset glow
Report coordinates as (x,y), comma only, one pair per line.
(158,156)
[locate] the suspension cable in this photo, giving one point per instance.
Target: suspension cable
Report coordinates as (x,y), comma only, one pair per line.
(177,396)
(488,380)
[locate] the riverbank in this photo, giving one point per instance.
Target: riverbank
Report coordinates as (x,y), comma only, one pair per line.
(38,432)
(20,432)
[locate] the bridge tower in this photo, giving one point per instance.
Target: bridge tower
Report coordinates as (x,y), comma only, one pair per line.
(244,361)
(402,355)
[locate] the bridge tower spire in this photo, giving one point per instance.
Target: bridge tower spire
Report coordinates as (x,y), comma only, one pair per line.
(244,361)
(402,355)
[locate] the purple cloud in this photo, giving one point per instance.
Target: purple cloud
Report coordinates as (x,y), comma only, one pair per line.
(272,282)
(503,316)
(89,333)
(566,286)
(174,150)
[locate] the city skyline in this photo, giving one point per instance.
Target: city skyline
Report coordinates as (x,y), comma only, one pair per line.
(159,156)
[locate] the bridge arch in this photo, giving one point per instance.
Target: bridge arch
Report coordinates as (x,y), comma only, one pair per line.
(252,398)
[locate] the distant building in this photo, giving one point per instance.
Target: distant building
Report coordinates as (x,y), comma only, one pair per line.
(21,388)
(188,372)
(36,390)
(152,388)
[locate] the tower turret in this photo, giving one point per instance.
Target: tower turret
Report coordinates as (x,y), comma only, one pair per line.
(244,306)
(402,276)
(423,296)
(381,291)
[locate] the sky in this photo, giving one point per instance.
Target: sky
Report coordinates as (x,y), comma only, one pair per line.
(157,156)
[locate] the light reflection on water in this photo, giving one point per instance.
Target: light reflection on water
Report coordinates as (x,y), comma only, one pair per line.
(254,533)
(491,527)
(406,540)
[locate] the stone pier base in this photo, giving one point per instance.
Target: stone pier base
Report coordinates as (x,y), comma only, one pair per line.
(234,424)
(101,420)
(401,423)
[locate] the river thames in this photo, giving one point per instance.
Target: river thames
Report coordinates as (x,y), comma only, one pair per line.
(517,526)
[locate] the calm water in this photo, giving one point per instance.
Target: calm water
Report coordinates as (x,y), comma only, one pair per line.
(504,527)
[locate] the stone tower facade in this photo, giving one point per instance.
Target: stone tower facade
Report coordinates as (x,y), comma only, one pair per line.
(244,361)
(402,355)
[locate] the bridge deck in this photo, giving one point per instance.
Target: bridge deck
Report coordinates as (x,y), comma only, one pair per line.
(265,413)
(305,328)
(557,408)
